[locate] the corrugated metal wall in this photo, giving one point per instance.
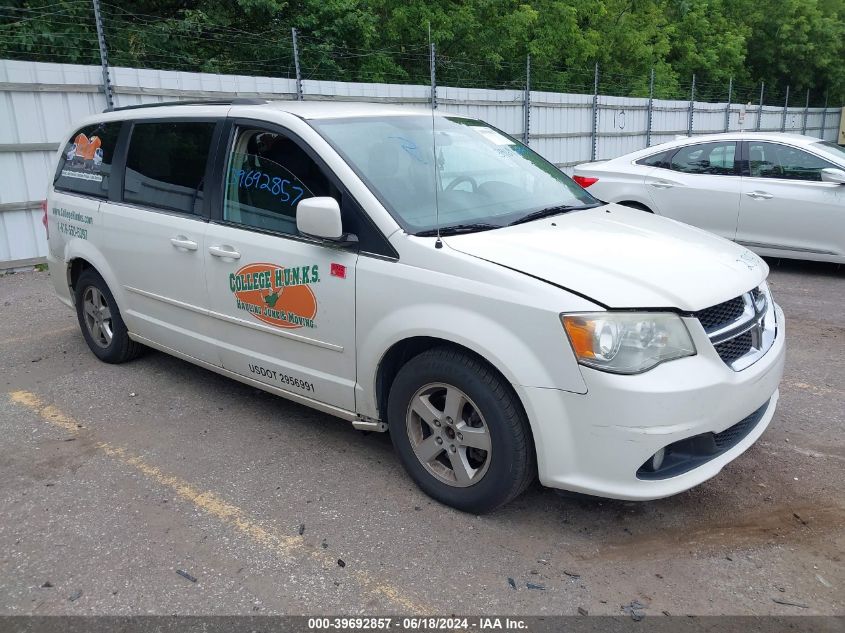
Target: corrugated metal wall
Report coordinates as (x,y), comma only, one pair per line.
(40,102)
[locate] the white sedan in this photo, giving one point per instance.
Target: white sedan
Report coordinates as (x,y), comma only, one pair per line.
(781,195)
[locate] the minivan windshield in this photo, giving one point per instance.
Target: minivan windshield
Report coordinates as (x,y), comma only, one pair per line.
(483,179)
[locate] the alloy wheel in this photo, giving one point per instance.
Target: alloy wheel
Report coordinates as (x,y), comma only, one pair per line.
(98,318)
(448,434)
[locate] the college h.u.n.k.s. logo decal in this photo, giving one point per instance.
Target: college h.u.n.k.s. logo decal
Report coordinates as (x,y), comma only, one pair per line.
(281,297)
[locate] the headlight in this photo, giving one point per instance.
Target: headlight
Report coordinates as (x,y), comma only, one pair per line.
(627,342)
(762,297)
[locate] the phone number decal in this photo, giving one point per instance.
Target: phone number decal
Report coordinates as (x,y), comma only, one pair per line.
(72,231)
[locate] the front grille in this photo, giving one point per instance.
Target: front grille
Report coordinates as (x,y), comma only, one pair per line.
(741,329)
(720,315)
(735,348)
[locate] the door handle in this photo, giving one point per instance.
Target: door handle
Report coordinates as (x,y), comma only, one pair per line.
(759,195)
(662,184)
(224,252)
(180,241)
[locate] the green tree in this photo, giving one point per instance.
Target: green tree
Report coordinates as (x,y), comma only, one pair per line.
(802,44)
(480,43)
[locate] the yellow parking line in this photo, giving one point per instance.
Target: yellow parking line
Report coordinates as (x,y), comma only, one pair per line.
(286,546)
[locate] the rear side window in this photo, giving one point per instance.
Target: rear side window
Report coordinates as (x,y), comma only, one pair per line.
(165,166)
(717,159)
(86,160)
(657,160)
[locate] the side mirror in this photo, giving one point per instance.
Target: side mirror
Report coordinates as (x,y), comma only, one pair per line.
(831,174)
(319,217)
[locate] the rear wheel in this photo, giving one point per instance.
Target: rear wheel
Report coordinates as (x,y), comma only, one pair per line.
(100,320)
(460,431)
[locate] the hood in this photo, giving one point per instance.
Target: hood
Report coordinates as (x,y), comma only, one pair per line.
(622,258)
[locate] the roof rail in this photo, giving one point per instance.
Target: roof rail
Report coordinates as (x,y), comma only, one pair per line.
(235,101)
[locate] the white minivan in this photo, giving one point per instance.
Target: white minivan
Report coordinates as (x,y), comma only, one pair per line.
(422,274)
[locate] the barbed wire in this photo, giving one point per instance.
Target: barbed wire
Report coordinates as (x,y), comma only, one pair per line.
(191,43)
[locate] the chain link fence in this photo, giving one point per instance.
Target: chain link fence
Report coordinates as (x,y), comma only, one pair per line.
(104,55)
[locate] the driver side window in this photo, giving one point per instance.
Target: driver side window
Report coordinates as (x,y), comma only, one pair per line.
(267,175)
(773,160)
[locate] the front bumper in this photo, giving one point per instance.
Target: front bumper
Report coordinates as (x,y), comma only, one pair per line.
(596,442)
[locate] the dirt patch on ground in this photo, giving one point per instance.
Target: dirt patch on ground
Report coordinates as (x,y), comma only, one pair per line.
(778,525)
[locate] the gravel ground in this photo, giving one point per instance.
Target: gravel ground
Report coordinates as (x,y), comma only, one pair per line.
(112,478)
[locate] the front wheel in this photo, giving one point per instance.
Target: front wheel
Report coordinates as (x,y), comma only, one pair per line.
(460,431)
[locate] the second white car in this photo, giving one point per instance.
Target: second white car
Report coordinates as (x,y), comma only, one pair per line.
(781,195)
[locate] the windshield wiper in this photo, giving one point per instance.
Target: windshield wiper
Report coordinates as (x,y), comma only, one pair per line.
(456,229)
(548,211)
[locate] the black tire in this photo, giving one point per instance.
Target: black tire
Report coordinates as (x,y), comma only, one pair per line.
(121,348)
(511,468)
